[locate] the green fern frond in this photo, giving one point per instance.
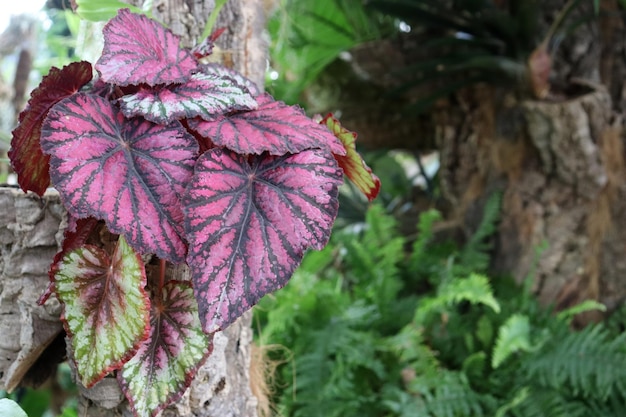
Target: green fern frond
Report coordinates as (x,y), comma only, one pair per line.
(475,254)
(568,314)
(474,289)
(419,255)
(513,336)
(541,402)
(448,395)
(590,363)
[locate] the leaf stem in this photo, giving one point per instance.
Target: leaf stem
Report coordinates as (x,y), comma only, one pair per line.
(162,266)
(213,18)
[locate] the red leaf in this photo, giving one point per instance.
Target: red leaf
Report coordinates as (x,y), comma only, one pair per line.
(130,173)
(26,156)
(273,127)
(139,50)
(352,163)
(249,221)
(203,95)
(167,361)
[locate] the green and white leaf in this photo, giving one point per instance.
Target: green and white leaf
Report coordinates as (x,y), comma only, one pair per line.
(167,361)
(106,309)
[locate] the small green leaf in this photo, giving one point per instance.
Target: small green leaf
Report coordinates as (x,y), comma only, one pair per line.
(513,336)
(9,408)
(588,305)
(102,10)
(475,289)
(106,308)
(166,362)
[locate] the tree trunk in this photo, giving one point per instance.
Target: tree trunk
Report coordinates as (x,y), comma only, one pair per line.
(559,164)
(30,232)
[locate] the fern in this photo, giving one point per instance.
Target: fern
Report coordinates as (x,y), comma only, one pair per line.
(513,336)
(474,289)
(589,362)
(475,254)
(541,402)
(421,261)
(374,331)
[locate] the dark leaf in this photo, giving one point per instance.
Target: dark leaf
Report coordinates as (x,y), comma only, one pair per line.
(249,221)
(130,173)
(27,159)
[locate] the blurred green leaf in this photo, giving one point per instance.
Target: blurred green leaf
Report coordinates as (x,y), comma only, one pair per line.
(103,10)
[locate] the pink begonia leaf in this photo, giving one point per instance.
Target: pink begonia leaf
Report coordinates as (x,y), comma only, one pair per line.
(206,96)
(138,50)
(352,163)
(130,173)
(105,307)
(249,220)
(167,361)
(28,161)
(273,127)
(222,71)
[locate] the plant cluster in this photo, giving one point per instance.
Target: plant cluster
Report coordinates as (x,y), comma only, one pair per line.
(165,160)
(377,325)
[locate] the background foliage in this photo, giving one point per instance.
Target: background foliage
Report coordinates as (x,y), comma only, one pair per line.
(379,324)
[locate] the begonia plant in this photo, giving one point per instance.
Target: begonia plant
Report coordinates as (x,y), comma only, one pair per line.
(163,160)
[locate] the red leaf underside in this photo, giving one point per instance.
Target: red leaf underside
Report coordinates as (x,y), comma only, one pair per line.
(105,307)
(130,173)
(27,159)
(273,127)
(352,163)
(167,361)
(139,50)
(249,221)
(206,96)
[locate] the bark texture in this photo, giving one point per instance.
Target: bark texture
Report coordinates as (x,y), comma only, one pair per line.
(28,231)
(559,164)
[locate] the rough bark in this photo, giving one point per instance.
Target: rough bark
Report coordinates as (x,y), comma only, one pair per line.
(559,164)
(30,231)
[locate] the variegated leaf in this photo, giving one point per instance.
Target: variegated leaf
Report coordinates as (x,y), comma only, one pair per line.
(167,361)
(105,307)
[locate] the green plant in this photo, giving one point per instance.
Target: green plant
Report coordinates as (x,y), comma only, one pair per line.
(376,325)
